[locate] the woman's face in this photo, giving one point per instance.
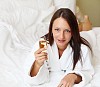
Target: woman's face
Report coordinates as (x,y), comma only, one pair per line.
(61,33)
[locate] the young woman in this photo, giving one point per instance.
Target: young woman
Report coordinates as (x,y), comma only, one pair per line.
(67,60)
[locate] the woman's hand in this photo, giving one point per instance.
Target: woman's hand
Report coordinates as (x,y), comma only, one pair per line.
(68,80)
(40,56)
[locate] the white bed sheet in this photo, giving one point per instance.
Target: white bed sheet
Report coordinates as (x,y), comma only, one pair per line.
(10,60)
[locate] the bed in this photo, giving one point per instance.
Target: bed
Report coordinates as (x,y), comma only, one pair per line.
(19,30)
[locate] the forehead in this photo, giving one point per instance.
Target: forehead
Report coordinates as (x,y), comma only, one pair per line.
(61,23)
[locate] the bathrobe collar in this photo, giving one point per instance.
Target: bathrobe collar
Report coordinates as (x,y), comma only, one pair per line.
(66,58)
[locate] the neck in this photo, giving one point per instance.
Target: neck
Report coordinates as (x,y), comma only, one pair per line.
(62,48)
(60,51)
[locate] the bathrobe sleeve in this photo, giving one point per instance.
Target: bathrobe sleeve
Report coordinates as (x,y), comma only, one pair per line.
(43,74)
(86,69)
(71,4)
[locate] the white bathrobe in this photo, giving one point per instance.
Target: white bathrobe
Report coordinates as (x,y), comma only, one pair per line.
(52,71)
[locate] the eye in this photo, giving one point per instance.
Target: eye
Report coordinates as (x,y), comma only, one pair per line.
(57,29)
(67,30)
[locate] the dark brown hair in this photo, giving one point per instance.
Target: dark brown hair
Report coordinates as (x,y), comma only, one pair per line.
(76,39)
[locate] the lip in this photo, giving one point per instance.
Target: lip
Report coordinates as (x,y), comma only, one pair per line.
(61,41)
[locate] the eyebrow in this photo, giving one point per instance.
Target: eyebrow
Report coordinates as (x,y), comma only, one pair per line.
(64,28)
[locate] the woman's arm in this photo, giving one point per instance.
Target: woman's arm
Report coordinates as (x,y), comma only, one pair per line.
(34,70)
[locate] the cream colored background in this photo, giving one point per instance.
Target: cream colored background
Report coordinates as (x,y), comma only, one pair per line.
(91,8)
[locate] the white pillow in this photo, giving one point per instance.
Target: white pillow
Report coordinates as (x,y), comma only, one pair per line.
(97,33)
(97,52)
(96,78)
(96,30)
(93,37)
(90,37)
(98,41)
(97,47)
(71,4)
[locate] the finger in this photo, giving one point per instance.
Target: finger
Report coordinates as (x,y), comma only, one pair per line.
(67,85)
(60,85)
(40,55)
(40,62)
(71,85)
(40,50)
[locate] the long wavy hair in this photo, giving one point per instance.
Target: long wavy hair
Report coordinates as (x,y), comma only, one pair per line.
(76,39)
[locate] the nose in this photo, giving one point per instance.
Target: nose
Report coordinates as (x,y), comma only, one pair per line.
(61,35)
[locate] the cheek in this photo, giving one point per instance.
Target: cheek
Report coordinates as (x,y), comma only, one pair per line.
(68,37)
(55,35)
